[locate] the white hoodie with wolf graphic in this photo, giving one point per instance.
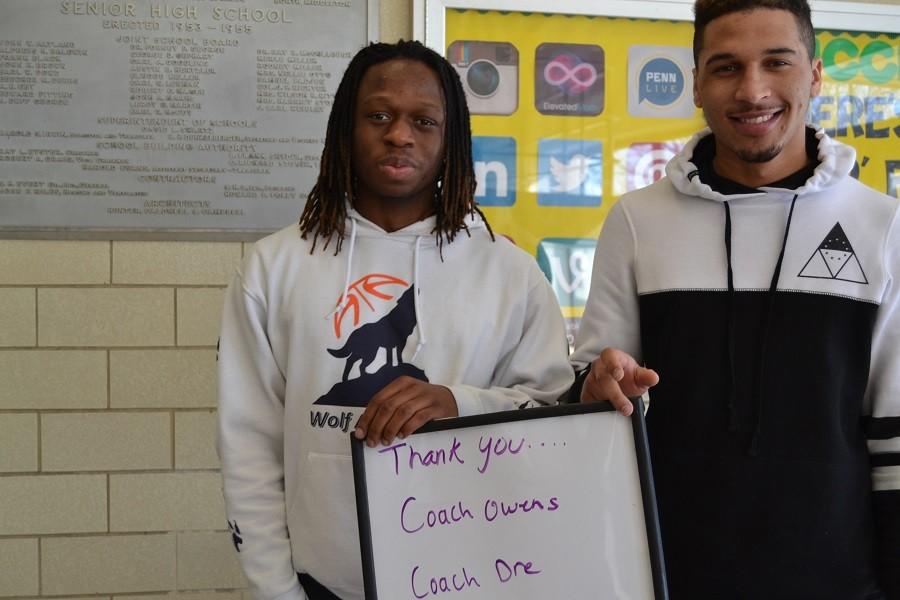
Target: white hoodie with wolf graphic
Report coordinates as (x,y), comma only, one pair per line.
(307,339)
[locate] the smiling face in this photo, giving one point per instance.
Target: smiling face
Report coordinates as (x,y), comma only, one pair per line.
(754,81)
(398,142)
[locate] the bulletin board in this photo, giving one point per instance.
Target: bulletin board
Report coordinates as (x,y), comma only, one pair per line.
(572,109)
(553,502)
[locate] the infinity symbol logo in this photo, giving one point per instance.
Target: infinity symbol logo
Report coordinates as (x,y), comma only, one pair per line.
(569,73)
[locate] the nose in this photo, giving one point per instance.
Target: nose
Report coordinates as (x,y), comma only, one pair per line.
(753,86)
(399,133)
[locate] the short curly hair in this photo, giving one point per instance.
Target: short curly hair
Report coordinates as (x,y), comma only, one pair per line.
(706,11)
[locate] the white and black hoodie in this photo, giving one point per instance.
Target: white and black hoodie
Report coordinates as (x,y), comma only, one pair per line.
(772,316)
(307,339)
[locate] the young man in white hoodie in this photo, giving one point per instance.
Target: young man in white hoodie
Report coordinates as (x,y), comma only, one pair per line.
(759,285)
(390,305)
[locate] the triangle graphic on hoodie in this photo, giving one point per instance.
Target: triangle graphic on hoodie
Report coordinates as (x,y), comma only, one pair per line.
(834,259)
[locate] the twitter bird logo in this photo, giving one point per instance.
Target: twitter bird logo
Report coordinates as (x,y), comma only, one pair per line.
(570,172)
(569,176)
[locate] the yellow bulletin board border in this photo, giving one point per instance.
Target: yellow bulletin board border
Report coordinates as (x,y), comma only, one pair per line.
(428,16)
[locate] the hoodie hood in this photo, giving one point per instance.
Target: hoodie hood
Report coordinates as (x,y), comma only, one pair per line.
(836,161)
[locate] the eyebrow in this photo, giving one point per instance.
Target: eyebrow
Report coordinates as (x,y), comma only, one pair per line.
(379,97)
(721,56)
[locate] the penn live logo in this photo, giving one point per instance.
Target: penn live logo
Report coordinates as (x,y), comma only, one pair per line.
(494,160)
(567,263)
(660,82)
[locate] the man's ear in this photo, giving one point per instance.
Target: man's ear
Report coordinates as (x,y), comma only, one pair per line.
(697,101)
(816,78)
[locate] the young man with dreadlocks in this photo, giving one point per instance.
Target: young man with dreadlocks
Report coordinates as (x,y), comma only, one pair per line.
(761,284)
(390,305)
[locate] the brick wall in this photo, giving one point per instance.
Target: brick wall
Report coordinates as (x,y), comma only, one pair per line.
(109,482)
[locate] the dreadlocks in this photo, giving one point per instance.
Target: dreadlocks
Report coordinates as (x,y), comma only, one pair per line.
(454,195)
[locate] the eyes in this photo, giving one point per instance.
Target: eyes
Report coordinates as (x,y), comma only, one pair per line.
(423,122)
(771,64)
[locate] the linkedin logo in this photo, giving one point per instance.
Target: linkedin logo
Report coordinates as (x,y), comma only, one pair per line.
(495,170)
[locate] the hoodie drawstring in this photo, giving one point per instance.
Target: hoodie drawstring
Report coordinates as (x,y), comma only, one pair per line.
(733,424)
(753,449)
(346,288)
(415,284)
(417,290)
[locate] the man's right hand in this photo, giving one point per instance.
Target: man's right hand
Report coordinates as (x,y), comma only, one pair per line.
(615,376)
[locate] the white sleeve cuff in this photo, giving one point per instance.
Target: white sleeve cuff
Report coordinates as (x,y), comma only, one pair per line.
(467,403)
(295,593)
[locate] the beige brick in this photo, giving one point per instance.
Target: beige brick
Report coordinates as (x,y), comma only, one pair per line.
(106,317)
(166,502)
(53,262)
(105,441)
(108,564)
(18,326)
(199,315)
(93,597)
(19,568)
(18,442)
(175,263)
(235,595)
(195,440)
(208,560)
(49,379)
(162,378)
(52,504)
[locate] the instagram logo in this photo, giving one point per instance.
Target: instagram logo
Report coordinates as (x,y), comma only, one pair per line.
(489,72)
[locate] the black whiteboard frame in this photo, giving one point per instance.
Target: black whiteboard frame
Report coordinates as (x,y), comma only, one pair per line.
(642,450)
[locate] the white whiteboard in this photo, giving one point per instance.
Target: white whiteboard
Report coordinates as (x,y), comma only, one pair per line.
(560,506)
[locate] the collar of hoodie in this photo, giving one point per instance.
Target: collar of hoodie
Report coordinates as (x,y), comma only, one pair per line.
(836,160)
(420,235)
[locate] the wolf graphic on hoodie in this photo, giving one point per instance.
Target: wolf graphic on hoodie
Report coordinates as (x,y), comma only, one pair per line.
(387,334)
(308,339)
(772,316)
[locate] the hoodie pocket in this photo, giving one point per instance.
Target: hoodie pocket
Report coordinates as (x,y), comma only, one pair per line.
(322,520)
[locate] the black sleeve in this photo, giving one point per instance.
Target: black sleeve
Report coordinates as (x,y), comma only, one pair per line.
(573,396)
(887,527)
